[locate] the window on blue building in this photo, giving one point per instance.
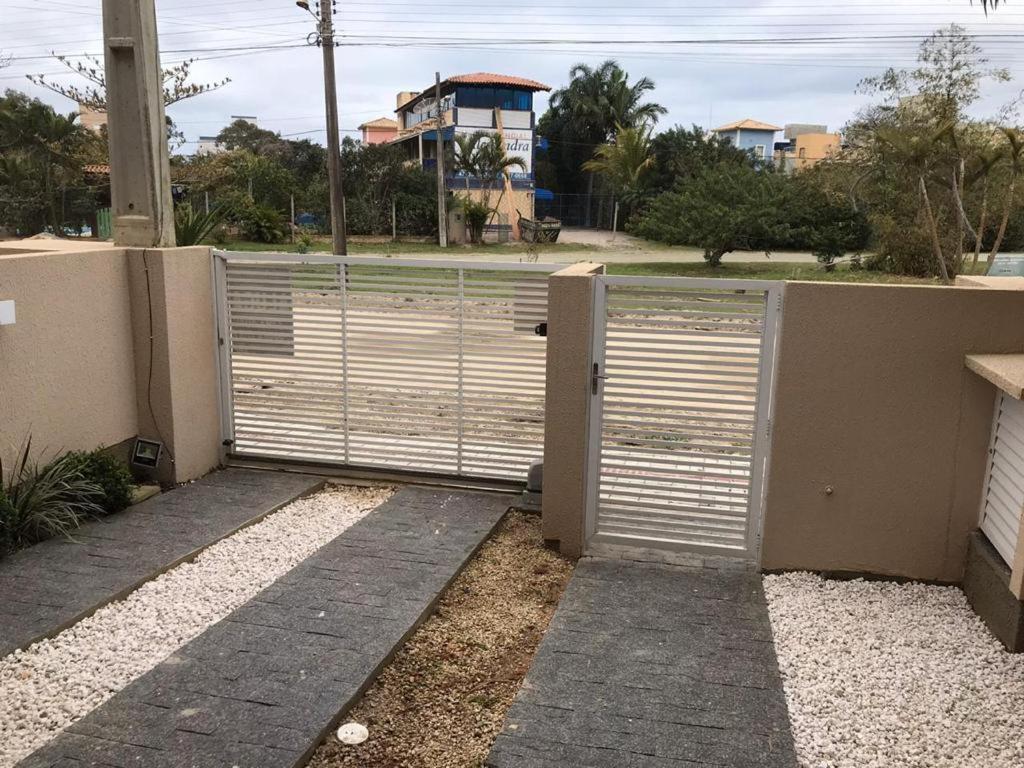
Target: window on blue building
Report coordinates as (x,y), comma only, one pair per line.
(482,97)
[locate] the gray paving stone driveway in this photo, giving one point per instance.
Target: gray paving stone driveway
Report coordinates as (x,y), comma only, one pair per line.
(261,688)
(47,588)
(648,665)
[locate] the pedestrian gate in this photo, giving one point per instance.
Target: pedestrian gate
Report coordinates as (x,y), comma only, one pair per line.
(682,381)
(417,366)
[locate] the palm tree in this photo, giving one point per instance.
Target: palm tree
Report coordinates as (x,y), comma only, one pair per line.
(602,100)
(599,101)
(467,154)
(482,155)
(625,161)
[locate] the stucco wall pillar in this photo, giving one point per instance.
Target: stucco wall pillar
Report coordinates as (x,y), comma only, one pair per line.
(176,357)
(568,403)
(880,433)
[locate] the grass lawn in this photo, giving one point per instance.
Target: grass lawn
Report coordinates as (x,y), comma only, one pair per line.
(358,248)
(761,271)
(750,270)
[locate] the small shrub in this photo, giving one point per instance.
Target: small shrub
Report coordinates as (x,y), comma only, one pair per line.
(477,214)
(192,227)
(39,502)
(110,474)
(262,224)
(219,236)
(305,243)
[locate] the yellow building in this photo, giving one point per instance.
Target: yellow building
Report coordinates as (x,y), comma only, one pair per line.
(806,145)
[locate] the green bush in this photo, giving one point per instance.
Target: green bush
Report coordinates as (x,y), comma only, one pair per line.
(39,502)
(477,214)
(261,223)
(110,474)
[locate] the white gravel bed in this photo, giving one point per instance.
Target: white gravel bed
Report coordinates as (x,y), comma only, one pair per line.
(48,686)
(902,675)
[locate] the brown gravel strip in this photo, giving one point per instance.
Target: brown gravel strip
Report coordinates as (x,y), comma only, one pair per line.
(442,700)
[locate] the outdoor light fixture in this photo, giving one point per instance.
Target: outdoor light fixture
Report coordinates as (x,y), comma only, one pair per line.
(146,453)
(302,4)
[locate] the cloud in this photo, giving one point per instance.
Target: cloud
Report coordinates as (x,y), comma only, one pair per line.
(807,75)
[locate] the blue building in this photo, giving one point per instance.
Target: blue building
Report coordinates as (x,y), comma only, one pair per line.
(482,101)
(752,135)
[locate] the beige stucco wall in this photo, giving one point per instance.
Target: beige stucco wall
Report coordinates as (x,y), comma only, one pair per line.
(66,366)
(568,399)
(74,368)
(183,395)
(873,401)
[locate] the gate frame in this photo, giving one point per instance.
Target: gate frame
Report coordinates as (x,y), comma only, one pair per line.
(221,258)
(764,404)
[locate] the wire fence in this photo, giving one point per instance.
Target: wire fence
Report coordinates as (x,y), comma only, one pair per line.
(579,210)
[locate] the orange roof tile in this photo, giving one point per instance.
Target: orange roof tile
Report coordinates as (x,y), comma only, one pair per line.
(479,78)
(489,78)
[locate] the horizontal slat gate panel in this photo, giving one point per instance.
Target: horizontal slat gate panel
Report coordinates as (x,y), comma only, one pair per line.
(679,414)
(1003,501)
(422,367)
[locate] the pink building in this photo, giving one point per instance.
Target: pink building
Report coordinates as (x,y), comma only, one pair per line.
(379,131)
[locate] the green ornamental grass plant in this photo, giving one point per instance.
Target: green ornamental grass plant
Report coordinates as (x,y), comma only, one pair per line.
(41,501)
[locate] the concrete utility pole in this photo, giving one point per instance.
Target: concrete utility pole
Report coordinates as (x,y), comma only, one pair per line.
(442,208)
(333,140)
(140,174)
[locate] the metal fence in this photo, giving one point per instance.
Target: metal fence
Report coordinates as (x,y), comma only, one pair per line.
(579,210)
(682,381)
(417,366)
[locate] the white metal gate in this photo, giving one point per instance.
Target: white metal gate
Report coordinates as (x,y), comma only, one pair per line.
(1003,501)
(682,385)
(417,366)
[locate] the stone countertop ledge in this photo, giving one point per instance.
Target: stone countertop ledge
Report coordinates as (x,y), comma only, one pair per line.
(1005,371)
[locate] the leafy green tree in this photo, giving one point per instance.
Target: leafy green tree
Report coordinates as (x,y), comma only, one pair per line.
(926,166)
(680,153)
(720,209)
(584,115)
(41,167)
(1014,154)
(376,176)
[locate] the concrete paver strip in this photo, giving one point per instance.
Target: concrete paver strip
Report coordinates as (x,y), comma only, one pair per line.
(648,665)
(261,688)
(46,588)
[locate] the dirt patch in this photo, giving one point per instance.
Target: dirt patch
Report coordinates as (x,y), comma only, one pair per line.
(442,700)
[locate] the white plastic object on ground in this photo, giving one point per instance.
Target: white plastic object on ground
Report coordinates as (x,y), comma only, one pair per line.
(353,733)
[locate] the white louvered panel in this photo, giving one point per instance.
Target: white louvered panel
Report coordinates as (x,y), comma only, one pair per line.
(1003,499)
(413,366)
(679,414)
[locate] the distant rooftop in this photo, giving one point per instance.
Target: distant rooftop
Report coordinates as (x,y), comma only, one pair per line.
(481,78)
(380,122)
(748,124)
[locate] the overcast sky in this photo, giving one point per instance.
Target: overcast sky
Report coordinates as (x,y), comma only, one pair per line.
(783,72)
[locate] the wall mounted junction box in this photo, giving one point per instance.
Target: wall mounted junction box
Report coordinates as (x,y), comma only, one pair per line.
(7,312)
